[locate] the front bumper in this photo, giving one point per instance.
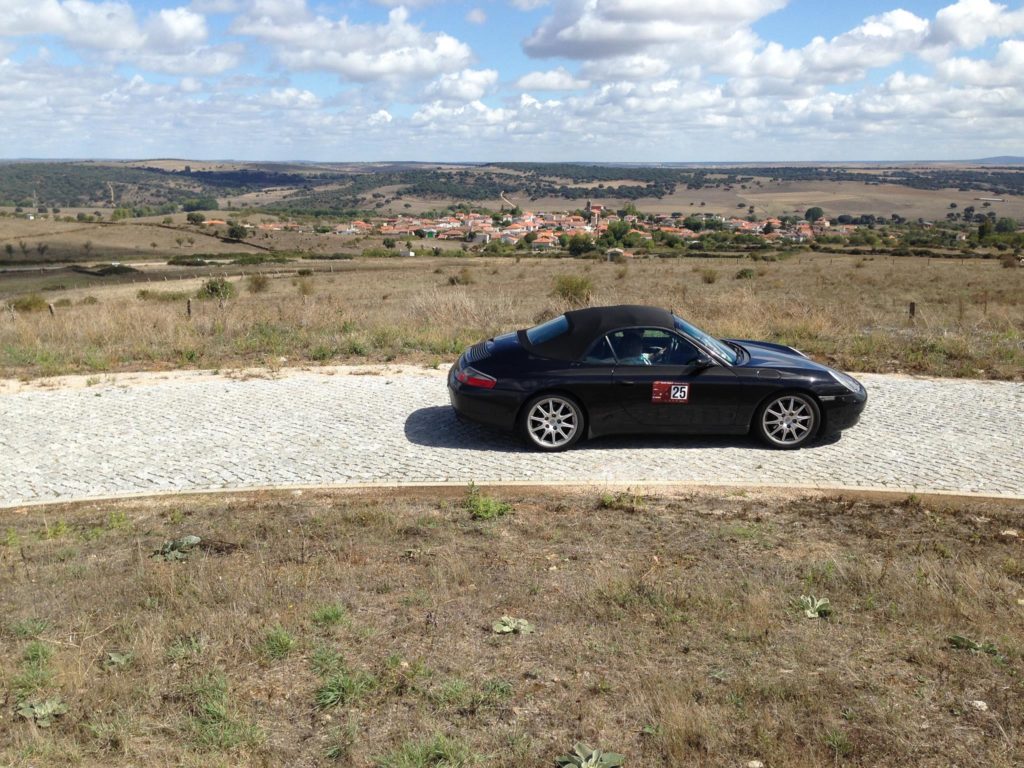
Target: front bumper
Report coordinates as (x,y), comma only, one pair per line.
(842,412)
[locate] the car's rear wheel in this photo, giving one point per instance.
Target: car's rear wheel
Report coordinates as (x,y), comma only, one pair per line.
(789,420)
(552,422)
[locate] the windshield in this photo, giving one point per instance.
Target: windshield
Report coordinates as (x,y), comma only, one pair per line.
(718,347)
(547,331)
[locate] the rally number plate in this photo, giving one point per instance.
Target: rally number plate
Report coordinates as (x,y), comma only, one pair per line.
(670,392)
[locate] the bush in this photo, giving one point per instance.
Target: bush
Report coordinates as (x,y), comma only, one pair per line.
(216,288)
(1009,261)
(31,302)
(709,276)
(147,295)
(257,283)
(745,274)
(575,289)
(464,277)
(187,261)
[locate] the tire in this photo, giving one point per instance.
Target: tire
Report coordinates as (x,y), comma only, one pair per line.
(788,421)
(552,422)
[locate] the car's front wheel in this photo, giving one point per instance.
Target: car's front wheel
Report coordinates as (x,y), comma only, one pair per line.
(788,420)
(552,422)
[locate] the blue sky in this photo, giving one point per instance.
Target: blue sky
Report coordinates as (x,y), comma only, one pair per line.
(618,80)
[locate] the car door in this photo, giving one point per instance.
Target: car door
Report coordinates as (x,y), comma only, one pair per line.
(670,385)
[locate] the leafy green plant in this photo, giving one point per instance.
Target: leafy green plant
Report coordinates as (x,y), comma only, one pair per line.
(43,712)
(508,625)
(216,288)
(178,549)
(213,721)
(114,660)
(815,608)
(967,644)
(584,756)
(483,507)
(745,274)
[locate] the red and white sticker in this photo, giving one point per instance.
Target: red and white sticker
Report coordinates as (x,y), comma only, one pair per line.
(670,392)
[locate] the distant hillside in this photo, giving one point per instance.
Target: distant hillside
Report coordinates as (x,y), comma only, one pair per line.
(1001,160)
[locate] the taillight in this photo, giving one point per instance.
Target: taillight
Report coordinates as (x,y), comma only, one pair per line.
(471,377)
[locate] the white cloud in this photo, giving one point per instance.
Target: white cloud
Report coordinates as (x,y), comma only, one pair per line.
(878,42)
(467,85)
(551,80)
(175,28)
(1005,68)
(362,52)
(292,98)
(594,29)
(969,23)
(529,5)
(380,117)
(476,16)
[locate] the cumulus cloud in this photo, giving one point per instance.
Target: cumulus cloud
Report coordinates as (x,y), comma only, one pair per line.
(467,85)
(551,80)
(360,52)
(595,29)
(476,16)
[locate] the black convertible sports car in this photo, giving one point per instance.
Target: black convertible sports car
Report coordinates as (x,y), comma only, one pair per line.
(608,370)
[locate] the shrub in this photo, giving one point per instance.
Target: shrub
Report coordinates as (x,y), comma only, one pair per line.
(575,289)
(304,272)
(709,276)
(745,274)
(1009,261)
(216,288)
(483,507)
(187,261)
(464,277)
(257,283)
(32,302)
(148,295)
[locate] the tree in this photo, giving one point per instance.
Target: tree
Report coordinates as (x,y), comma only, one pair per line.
(984,229)
(10,250)
(1006,225)
(389,242)
(236,231)
(580,244)
(195,218)
(813,214)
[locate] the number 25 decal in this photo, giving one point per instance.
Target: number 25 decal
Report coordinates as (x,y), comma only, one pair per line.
(670,392)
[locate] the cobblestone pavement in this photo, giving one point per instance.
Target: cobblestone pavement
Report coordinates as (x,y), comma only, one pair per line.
(308,428)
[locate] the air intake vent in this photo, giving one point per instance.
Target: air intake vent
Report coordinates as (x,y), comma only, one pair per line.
(478,352)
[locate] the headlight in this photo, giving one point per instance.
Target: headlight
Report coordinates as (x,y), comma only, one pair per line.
(847,381)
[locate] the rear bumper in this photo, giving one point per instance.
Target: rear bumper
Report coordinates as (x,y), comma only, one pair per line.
(493,407)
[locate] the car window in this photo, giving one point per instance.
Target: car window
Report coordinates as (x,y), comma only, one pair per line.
(652,346)
(548,331)
(719,347)
(600,353)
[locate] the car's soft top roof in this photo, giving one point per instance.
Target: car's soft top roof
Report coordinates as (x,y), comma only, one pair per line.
(586,325)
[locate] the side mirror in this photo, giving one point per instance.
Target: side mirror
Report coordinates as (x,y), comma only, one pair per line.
(703,362)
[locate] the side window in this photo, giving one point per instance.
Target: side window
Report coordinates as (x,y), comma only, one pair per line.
(600,353)
(652,346)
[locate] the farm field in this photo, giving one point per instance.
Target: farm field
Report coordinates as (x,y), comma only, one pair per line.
(359,629)
(850,311)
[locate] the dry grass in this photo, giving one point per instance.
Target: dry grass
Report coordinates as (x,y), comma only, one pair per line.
(844,310)
(355,629)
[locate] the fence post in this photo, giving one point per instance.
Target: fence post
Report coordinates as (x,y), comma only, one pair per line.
(188,309)
(913,310)
(50,307)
